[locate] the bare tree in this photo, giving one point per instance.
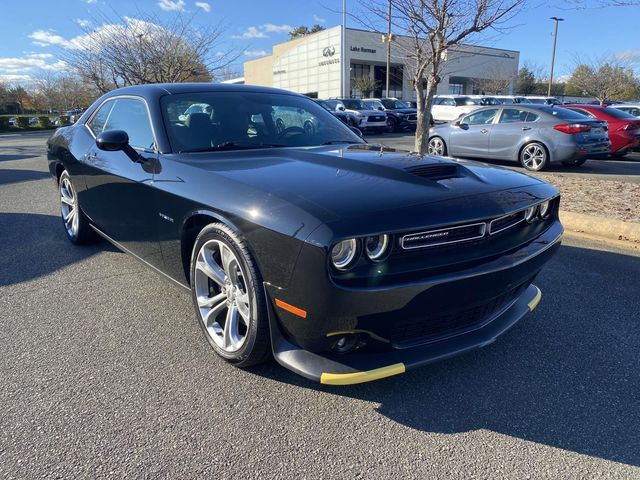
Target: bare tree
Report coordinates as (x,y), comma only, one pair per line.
(497,80)
(127,51)
(365,85)
(433,28)
(604,79)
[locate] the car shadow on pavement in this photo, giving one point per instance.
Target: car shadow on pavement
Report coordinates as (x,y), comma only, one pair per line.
(21,153)
(566,376)
(34,245)
(10,175)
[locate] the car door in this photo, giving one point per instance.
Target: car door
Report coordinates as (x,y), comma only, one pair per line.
(507,133)
(120,197)
(471,137)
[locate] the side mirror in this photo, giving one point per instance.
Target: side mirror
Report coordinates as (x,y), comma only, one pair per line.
(380,108)
(341,108)
(357,131)
(117,140)
(112,140)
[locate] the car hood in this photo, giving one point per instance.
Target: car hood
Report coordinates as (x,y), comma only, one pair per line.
(337,183)
(406,111)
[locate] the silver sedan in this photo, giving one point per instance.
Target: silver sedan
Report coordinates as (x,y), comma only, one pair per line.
(534,135)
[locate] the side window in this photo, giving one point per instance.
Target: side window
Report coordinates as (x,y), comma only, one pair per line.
(100,118)
(450,102)
(130,115)
(634,111)
(511,115)
(437,101)
(532,117)
(482,117)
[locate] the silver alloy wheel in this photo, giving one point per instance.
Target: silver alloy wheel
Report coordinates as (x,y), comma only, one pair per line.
(436,147)
(222,295)
(69,207)
(534,156)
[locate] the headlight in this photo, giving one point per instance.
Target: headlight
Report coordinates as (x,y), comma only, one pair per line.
(545,208)
(530,213)
(376,247)
(343,253)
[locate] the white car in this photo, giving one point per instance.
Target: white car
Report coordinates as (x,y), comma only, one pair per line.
(630,108)
(449,107)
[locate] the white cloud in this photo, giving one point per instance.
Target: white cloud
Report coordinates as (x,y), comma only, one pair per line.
(13,65)
(261,31)
(83,22)
(14,78)
(254,53)
(631,56)
(171,5)
(204,6)
(318,19)
(44,38)
(90,2)
(252,32)
(270,27)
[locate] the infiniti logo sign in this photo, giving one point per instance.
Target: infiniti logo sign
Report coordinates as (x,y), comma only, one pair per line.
(329,51)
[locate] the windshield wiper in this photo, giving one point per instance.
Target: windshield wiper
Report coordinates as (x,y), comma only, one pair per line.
(233,146)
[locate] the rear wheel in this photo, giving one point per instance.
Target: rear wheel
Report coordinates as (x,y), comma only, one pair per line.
(574,163)
(76,225)
(534,156)
(437,147)
(227,294)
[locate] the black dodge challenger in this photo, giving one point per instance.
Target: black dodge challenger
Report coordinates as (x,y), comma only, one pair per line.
(347,261)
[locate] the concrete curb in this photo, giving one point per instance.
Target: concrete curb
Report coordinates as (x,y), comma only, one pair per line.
(601,227)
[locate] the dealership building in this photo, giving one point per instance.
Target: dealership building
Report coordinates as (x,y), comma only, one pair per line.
(316,65)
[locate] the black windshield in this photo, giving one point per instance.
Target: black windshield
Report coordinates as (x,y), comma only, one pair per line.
(214,121)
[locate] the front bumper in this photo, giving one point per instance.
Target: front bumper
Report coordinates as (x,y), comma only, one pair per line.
(366,367)
(396,320)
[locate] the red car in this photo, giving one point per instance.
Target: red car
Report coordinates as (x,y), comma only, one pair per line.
(624,129)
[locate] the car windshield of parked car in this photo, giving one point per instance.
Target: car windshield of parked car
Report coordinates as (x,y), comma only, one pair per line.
(565,113)
(245,120)
(462,101)
(393,104)
(615,113)
(354,104)
(373,105)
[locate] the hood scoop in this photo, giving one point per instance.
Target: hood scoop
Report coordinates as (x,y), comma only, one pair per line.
(439,171)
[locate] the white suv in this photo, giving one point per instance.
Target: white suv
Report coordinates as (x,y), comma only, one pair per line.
(449,107)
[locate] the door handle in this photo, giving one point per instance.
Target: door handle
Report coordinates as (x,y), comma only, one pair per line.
(484,130)
(526,128)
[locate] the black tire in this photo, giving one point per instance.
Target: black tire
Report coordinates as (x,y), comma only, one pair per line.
(534,156)
(392,124)
(256,347)
(436,144)
(79,233)
(574,163)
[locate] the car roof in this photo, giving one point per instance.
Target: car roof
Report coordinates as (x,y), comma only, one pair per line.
(176,88)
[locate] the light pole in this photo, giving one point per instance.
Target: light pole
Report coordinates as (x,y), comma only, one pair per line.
(344,74)
(553,55)
(389,38)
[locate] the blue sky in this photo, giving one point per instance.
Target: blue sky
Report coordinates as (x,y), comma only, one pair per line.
(33,32)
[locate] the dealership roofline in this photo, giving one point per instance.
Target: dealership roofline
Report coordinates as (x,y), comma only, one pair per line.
(380,33)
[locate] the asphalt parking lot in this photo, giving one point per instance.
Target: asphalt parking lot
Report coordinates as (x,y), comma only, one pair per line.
(105,374)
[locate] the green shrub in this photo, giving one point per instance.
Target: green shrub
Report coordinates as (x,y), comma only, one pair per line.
(4,123)
(64,120)
(23,122)
(45,122)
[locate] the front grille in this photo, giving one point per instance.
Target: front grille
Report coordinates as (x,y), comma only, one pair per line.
(375,118)
(434,172)
(415,330)
(442,236)
(412,117)
(503,223)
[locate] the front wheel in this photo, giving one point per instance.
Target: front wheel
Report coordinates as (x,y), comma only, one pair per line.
(534,157)
(437,147)
(392,124)
(574,163)
(227,294)
(76,225)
